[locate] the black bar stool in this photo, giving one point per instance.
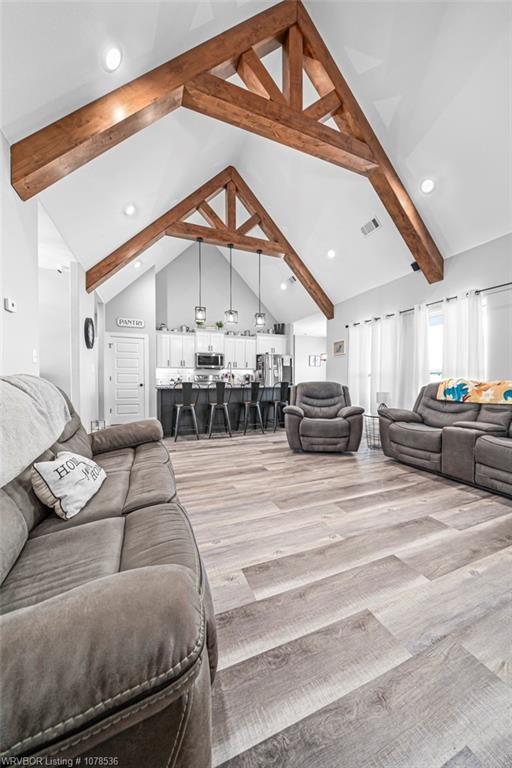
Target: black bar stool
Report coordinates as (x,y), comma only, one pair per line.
(222,398)
(188,402)
(280,393)
(255,392)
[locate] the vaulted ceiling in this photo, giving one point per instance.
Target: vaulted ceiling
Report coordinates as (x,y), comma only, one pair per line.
(421,72)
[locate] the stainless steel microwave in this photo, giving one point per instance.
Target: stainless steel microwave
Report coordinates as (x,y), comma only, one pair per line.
(209,360)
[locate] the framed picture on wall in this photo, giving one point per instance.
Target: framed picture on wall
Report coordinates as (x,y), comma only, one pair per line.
(339,348)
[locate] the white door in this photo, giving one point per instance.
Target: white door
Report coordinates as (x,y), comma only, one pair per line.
(125,378)
(263,343)
(189,349)
(217,342)
(162,350)
(279,345)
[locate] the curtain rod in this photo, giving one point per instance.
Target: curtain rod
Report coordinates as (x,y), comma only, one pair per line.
(431,304)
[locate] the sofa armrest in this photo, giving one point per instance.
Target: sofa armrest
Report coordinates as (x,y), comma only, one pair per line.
(399,414)
(294,410)
(126,435)
(481,426)
(79,657)
(350,410)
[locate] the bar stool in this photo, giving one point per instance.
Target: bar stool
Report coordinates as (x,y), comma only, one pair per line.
(279,400)
(188,402)
(222,398)
(255,392)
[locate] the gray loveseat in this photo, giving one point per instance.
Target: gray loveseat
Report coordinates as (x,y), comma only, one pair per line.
(465,441)
(108,644)
(320,417)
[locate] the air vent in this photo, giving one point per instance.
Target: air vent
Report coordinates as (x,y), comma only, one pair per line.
(371,226)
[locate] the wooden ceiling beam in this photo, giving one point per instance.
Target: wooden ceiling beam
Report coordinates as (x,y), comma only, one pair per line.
(293,68)
(48,155)
(213,219)
(248,224)
(227,102)
(324,108)
(231,206)
(384,180)
(224,237)
(257,78)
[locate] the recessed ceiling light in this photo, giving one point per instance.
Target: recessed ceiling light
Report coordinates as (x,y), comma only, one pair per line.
(129,210)
(137,264)
(331,254)
(427,186)
(112,59)
(283,286)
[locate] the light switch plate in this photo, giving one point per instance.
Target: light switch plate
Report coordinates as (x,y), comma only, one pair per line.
(10,305)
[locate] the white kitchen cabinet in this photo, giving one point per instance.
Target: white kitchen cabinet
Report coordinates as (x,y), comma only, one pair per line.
(250,353)
(162,350)
(273,344)
(240,352)
(209,341)
(175,350)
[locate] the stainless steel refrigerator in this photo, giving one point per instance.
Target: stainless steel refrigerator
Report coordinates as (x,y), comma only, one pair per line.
(271,369)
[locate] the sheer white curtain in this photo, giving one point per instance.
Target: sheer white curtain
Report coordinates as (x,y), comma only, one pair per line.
(464,354)
(359,364)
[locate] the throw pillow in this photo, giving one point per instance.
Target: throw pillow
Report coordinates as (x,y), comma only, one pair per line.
(67,483)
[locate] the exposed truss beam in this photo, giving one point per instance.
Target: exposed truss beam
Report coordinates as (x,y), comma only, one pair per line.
(197,80)
(220,232)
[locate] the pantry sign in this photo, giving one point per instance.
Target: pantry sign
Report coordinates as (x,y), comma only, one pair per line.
(130,322)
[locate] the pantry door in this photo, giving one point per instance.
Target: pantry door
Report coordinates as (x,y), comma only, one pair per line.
(126,377)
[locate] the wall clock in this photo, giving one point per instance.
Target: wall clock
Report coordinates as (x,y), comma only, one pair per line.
(89,332)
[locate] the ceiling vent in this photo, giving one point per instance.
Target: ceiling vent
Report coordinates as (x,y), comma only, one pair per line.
(292,279)
(371,226)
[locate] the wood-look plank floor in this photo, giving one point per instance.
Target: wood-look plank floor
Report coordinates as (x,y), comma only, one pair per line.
(364,608)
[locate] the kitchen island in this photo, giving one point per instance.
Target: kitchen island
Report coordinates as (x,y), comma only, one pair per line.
(167,397)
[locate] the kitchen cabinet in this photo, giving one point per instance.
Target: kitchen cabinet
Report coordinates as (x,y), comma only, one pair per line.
(273,344)
(209,341)
(175,350)
(240,352)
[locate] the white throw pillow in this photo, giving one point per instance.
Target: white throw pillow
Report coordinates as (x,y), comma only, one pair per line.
(67,483)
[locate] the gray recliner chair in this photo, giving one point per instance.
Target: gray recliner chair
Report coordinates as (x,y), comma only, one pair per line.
(320,417)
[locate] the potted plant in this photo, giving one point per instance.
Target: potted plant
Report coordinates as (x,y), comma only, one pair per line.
(219,324)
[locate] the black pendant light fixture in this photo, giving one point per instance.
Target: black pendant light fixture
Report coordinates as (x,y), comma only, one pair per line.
(259,317)
(200,311)
(231,315)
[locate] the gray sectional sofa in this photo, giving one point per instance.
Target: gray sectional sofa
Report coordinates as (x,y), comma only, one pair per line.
(464,441)
(107,630)
(321,417)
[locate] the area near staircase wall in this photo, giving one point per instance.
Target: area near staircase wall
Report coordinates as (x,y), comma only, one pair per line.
(480,267)
(19,331)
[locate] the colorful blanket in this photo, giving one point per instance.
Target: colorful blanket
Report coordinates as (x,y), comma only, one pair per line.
(468,391)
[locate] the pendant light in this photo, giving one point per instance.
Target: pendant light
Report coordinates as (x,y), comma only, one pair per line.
(200,311)
(231,315)
(259,317)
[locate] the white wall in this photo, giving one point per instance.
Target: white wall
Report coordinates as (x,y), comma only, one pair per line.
(84,361)
(137,301)
(177,291)
(304,346)
(55,325)
(19,331)
(480,267)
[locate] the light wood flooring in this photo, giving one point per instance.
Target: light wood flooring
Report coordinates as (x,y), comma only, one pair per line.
(364,608)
